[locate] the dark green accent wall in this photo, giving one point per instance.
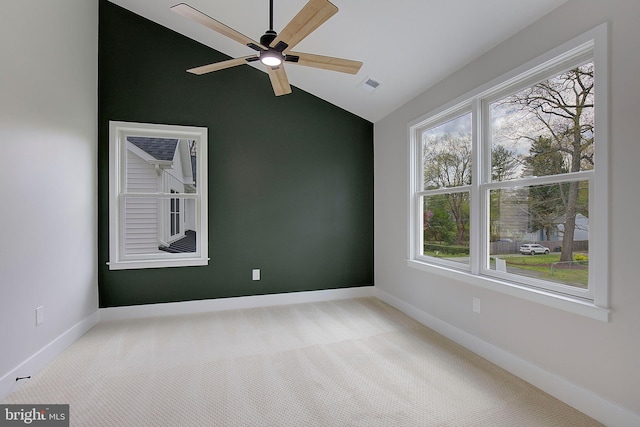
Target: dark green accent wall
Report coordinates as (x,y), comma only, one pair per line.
(290,177)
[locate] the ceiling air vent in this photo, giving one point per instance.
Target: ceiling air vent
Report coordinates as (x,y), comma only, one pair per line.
(369,85)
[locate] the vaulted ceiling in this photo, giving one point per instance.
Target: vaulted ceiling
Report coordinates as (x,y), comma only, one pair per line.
(406,45)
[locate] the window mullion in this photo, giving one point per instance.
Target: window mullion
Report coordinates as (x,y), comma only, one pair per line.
(476,240)
(415,186)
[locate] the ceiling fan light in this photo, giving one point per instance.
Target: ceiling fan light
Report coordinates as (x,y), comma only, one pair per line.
(271,59)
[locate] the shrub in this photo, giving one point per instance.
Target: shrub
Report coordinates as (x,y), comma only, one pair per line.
(446,249)
(581,258)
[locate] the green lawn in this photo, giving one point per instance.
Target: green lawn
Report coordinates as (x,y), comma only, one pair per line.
(576,274)
(538,265)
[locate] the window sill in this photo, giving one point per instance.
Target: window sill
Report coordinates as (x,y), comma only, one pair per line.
(561,302)
(160,263)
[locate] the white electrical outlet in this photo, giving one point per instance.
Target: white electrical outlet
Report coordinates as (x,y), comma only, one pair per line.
(476,304)
(39,315)
(255,274)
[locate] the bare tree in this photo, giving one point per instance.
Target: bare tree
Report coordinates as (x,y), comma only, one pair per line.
(563,107)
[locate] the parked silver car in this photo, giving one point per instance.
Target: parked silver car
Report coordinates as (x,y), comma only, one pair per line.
(533,248)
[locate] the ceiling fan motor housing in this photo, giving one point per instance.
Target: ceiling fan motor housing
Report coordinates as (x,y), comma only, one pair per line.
(268,37)
(271,57)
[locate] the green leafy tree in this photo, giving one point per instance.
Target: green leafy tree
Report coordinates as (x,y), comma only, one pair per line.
(447,163)
(437,221)
(504,163)
(546,202)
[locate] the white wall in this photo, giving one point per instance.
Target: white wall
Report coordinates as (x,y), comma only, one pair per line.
(601,358)
(48,203)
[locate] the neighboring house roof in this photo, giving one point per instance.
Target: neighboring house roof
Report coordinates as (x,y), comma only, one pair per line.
(159,148)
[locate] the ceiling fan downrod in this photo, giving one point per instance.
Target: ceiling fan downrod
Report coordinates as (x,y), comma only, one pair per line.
(269,35)
(271,15)
(271,57)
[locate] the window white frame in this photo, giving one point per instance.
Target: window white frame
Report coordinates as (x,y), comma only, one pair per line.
(118,193)
(419,192)
(591,303)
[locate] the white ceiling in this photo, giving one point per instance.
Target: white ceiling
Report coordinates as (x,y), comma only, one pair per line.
(406,45)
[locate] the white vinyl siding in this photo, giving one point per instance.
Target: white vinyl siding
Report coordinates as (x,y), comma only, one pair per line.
(140,215)
(171,183)
(141,223)
(175,174)
(141,176)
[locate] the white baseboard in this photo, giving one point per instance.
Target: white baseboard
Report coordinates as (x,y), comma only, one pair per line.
(580,398)
(221,304)
(46,354)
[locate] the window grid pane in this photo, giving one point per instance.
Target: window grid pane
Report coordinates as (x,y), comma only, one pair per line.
(535,233)
(445,225)
(446,154)
(546,129)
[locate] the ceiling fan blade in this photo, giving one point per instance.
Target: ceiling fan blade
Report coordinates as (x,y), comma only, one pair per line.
(221,65)
(201,18)
(279,80)
(310,17)
(327,62)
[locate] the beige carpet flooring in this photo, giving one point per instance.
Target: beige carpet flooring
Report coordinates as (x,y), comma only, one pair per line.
(343,363)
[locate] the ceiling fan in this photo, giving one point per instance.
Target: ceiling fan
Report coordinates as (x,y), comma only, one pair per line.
(275,49)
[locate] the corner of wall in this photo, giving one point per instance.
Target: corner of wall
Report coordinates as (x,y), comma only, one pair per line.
(44,356)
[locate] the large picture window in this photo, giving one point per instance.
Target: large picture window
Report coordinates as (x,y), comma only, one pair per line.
(509,184)
(158,196)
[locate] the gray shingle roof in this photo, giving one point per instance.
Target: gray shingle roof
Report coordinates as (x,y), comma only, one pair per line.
(159,148)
